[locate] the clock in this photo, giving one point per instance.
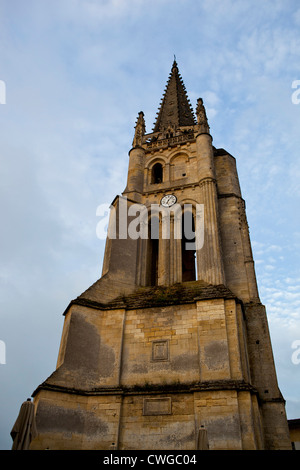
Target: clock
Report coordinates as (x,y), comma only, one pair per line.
(168,200)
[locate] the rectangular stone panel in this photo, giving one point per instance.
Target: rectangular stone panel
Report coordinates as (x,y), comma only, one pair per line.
(157,406)
(160,350)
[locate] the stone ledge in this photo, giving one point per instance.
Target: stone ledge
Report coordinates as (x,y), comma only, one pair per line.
(154,389)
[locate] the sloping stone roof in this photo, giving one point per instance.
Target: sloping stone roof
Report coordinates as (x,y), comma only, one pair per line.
(145,297)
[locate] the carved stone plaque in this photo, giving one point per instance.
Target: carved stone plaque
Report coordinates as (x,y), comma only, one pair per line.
(160,350)
(157,406)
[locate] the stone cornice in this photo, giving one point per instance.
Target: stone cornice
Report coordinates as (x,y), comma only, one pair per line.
(177,387)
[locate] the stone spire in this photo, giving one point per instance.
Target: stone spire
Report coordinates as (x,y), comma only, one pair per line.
(175,109)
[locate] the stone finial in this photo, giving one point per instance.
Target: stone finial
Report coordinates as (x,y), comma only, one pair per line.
(201,116)
(140,129)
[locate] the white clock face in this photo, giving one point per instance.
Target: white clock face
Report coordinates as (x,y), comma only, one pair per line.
(168,200)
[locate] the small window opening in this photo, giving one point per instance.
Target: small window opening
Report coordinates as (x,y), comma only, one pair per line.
(157,174)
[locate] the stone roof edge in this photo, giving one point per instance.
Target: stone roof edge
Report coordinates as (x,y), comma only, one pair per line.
(212,385)
(130,302)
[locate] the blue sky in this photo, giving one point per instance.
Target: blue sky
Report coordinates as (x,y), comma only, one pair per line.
(77,72)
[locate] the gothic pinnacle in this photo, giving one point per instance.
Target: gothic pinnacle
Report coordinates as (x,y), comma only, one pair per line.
(201,117)
(140,129)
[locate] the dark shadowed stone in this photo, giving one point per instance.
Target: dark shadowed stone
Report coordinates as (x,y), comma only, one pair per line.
(53,418)
(85,353)
(216,355)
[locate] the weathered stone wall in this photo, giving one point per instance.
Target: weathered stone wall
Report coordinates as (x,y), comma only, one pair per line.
(147,378)
(199,341)
(136,420)
(91,348)
(263,377)
(68,421)
(236,246)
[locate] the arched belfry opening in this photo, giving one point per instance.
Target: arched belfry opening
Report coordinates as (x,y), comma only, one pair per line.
(153,251)
(157,173)
(188,247)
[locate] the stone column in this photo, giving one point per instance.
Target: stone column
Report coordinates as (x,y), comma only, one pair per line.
(164,250)
(135,178)
(209,257)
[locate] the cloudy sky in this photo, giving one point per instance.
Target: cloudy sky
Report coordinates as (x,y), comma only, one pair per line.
(74,75)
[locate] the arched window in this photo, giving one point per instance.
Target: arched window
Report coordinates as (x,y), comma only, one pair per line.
(188,247)
(157,174)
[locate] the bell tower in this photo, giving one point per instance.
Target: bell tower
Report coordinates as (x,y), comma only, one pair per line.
(172,340)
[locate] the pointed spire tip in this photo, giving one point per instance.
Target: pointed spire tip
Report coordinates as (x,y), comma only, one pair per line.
(174,103)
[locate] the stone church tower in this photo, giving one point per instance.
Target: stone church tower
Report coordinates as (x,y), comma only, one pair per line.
(173,336)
